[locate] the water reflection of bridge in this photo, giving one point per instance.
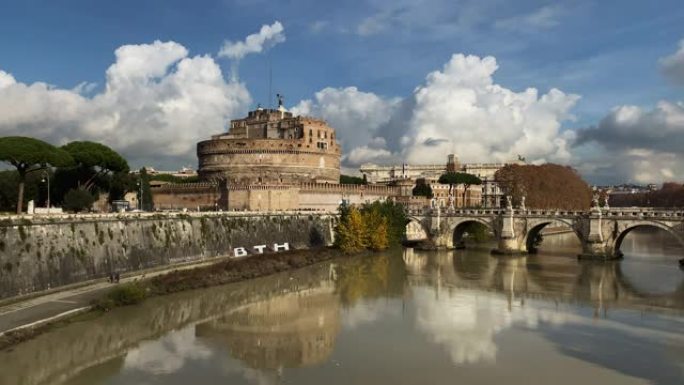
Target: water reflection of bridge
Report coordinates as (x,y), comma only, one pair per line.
(602,285)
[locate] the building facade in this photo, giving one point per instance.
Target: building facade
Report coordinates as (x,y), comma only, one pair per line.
(490,194)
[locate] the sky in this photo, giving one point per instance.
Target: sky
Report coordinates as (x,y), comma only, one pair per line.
(598,85)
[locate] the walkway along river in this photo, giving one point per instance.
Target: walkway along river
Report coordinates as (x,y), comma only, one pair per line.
(401,317)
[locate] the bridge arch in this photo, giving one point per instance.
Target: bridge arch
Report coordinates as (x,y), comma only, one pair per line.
(458,229)
(416,230)
(622,232)
(535,228)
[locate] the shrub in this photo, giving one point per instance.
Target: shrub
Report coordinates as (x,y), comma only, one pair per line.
(78,200)
(351,232)
(376,230)
(123,295)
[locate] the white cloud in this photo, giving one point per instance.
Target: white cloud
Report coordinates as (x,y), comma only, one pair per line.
(254,43)
(167,354)
(319,25)
(542,18)
(136,63)
(367,154)
(461,110)
(156,104)
(6,79)
(638,144)
(466,322)
(458,110)
(356,115)
(672,66)
(372,25)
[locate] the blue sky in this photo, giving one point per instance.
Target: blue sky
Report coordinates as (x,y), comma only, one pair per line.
(607,52)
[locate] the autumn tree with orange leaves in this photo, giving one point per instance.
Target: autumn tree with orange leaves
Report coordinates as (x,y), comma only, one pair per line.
(547,186)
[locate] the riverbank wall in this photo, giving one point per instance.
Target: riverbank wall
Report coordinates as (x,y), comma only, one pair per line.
(58,356)
(41,253)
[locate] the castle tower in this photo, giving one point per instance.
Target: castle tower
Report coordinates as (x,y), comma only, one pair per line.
(272,147)
(452,163)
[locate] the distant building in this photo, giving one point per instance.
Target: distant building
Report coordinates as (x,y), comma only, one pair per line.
(490,193)
(185,172)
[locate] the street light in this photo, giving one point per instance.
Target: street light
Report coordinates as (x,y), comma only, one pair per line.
(140,200)
(46,177)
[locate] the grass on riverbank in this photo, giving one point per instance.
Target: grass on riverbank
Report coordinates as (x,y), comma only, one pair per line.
(221,273)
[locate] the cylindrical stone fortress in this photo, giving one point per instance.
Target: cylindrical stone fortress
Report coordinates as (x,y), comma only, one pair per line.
(272,147)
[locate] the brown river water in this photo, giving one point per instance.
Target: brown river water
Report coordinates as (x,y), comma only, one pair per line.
(400,317)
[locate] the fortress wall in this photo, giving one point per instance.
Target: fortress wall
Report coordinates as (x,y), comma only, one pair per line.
(191,196)
(42,253)
(285,161)
(311,196)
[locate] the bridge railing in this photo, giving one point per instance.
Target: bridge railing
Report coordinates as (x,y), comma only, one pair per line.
(613,212)
(643,212)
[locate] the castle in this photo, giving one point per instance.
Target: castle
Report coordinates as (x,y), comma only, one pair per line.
(272,160)
(271,146)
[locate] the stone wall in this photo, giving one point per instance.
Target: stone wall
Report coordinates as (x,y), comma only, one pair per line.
(273,161)
(329,197)
(263,198)
(42,253)
(192,196)
(59,355)
(306,196)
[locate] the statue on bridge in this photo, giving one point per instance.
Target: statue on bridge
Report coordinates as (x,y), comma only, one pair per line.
(595,200)
(450,200)
(509,202)
(522,203)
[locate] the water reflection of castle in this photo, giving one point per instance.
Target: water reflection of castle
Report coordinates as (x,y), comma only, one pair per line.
(291,330)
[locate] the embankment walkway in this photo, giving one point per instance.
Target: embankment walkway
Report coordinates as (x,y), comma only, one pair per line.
(37,310)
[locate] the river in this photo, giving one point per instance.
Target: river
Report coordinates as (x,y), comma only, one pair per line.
(400,317)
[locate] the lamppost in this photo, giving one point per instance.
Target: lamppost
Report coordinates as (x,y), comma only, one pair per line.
(486,189)
(140,191)
(46,177)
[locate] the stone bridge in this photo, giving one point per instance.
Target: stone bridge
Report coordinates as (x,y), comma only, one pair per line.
(600,230)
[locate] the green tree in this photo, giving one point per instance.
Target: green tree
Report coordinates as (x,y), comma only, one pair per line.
(422,188)
(376,229)
(146,198)
(28,155)
(456,178)
(78,200)
(395,216)
(34,189)
(119,184)
(351,232)
(348,179)
(94,161)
